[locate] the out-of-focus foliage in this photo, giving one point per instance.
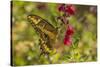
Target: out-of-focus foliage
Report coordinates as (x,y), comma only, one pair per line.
(25,40)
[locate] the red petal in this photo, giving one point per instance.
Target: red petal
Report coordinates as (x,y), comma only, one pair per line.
(67,41)
(61,7)
(70,9)
(70,30)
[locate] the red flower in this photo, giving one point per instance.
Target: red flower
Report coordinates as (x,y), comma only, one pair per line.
(67,41)
(61,7)
(68,35)
(70,9)
(67,10)
(70,30)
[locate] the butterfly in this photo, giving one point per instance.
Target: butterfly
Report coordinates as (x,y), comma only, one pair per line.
(46,31)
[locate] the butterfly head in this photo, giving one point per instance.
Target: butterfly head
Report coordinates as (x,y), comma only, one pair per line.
(34,18)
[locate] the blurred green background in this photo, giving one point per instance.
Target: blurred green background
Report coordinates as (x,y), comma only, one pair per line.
(25,41)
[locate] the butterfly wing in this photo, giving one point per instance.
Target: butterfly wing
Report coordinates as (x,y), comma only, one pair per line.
(46,31)
(43,25)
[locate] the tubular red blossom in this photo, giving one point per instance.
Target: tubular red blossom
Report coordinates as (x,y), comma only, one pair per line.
(70,9)
(70,30)
(67,10)
(67,41)
(61,7)
(68,35)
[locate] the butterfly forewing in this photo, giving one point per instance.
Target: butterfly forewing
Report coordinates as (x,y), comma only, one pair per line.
(42,24)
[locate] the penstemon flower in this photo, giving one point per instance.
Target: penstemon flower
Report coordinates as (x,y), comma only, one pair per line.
(68,35)
(70,30)
(67,41)
(70,9)
(61,8)
(67,11)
